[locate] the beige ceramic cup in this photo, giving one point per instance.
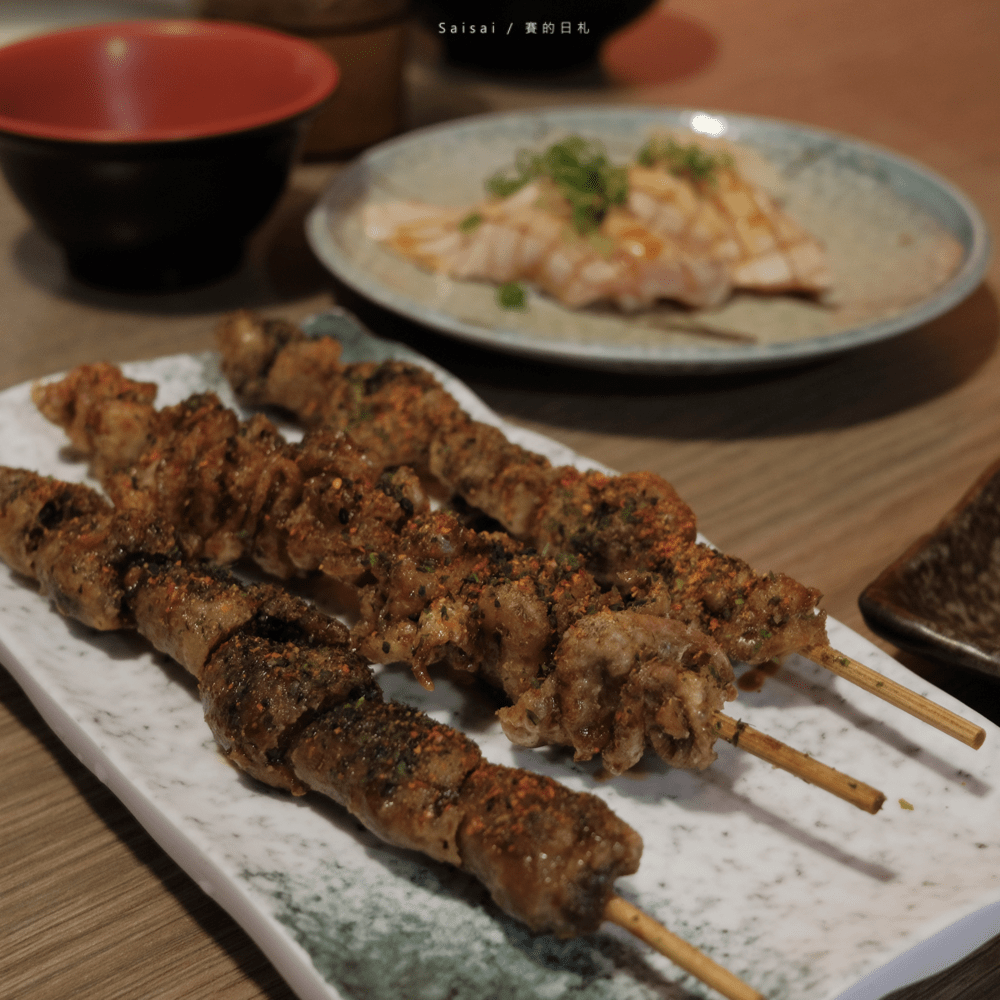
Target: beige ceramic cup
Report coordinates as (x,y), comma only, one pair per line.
(366,38)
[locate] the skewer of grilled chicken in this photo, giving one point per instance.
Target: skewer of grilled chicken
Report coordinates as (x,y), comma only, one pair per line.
(428,589)
(412,781)
(195,456)
(398,413)
(293,705)
(619,527)
(582,668)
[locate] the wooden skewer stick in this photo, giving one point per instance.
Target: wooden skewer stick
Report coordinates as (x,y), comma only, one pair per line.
(888,690)
(802,766)
(621,912)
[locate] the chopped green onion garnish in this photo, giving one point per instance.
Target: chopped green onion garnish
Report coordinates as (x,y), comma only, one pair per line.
(581,172)
(691,161)
(512,296)
(470,222)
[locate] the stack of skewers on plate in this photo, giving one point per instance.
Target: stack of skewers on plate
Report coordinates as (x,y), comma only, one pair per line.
(607,624)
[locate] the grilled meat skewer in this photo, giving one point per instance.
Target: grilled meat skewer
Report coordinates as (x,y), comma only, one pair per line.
(582,668)
(753,617)
(291,703)
(429,589)
(620,527)
(399,414)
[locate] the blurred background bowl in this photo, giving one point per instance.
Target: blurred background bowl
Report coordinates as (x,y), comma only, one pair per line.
(151,150)
(565,35)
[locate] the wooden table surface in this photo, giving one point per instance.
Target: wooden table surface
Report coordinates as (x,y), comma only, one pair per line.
(825,472)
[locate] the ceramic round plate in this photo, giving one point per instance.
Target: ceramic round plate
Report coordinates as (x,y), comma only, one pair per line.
(905,245)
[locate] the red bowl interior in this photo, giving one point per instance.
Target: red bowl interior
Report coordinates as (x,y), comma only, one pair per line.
(148,81)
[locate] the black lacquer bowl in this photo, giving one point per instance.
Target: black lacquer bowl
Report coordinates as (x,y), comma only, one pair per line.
(151,217)
(564,35)
(151,150)
(941,597)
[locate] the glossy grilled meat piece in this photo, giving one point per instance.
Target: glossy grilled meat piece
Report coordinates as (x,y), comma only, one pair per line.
(428,588)
(291,704)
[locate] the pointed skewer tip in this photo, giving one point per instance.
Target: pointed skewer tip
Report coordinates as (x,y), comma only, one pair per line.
(692,960)
(813,771)
(895,694)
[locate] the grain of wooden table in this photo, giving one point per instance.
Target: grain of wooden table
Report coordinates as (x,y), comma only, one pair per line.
(825,472)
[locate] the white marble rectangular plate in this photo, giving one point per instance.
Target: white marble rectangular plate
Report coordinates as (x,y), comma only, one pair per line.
(798,893)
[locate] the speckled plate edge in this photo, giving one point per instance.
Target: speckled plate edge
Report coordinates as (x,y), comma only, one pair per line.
(951,934)
(942,199)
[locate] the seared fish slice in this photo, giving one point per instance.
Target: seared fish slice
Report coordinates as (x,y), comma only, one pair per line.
(522,238)
(675,237)
(734,222)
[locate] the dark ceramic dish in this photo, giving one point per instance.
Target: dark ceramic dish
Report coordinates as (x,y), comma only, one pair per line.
(151,150)
(941,598)
(566,35)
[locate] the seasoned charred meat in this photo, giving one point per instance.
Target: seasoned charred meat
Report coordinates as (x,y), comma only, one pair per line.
(292,704)
(429,589)
(400,773)
(101,404)
(516,813)
(399,414)
(620,682)
(258,693)
(631,530)
(615,528)
(81,572)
